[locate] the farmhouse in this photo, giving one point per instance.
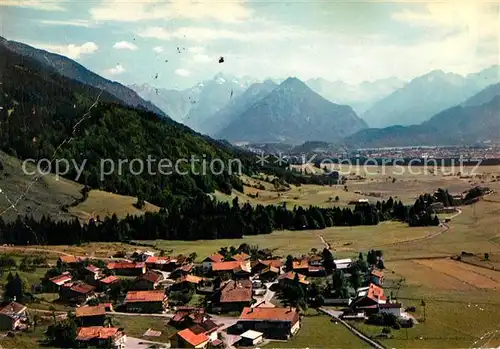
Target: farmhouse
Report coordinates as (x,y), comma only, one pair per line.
(186,281)
(188,316)
(71,261)
(274,323)
(13,317)
(197,336)
(153,262)
(91,315)
(231,268)
(183,270)
(99,336)
(55,283)
(269,274)
(148,281)
(233,296)
(76,292)
(215,258)
(367,296)
(260,265)
(146,301)
(107,282)
(91,274)
(289,277)
(127,268)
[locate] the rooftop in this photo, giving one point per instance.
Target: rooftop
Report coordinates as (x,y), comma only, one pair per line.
(88,333)
(194,339)
(125,265)
(109,279)
(236,291)
(272,314)
(87,310)
(150,276)
(69,259)
(216,258)
(61,279)
(241,257)
(145,296)
(11,309)
(251,334)
(226,266)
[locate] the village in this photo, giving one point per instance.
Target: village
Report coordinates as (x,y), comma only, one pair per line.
(236,297)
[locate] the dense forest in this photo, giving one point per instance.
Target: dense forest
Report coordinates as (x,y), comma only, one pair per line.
(40,109)
(202,217)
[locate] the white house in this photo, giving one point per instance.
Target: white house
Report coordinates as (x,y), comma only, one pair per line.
(343,263)
(251,338)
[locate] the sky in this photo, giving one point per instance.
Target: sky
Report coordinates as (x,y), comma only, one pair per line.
(177,43)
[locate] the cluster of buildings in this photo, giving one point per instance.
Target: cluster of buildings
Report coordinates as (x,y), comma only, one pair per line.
(234,284)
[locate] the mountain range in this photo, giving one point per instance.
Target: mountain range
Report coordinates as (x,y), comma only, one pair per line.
(469,123)
(359,96)
(427,95)
(292,113)
(76,71)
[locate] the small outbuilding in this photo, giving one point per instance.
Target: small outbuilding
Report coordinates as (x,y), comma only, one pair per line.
(250,338)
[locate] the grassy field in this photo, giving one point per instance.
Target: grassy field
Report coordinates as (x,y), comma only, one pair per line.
(320,332)
(136,326)
(104,204)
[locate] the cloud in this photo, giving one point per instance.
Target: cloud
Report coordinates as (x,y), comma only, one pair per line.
(196,49)
(182,72)
(201,34)
(134,11)
(116,70)
(125,45)
(158,49)
(74,23)
(202,58)
(43,5)
(71,51)
(476,17)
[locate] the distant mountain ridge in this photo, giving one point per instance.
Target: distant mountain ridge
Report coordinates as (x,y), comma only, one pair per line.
(426,96)
(236,106)
(292,113)
(459,125)
(78,72)
(358,96)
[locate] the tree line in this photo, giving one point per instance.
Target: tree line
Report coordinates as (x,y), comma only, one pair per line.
(200,217)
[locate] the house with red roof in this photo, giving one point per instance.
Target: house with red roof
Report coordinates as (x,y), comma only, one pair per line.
(91,315)
(13,316)
(187,316)
(274,323)
(148,281)
(71,261)
(261,264)
(214,258)
(76,292)
(367,296)
(233,296)
(100,337)
(232,269)
(91,274)
(54,283)
(287,278)
(183,270)
(107,282)
(127,268)
(186,282)
(154,301)
(157,262)
(197,336)
(377,277)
